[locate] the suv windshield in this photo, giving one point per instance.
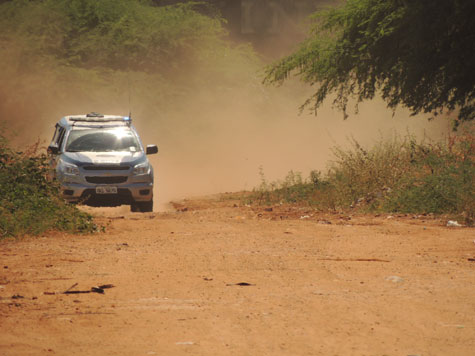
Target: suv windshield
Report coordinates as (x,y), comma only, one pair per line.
(102,140)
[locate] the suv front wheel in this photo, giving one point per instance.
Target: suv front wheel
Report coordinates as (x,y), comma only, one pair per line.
(142,207)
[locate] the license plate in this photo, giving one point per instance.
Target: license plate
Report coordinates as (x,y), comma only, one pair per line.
(106,190)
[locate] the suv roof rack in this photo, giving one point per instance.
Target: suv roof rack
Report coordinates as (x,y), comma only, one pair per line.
(95,117)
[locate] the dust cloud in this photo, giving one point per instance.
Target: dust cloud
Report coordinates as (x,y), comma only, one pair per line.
(235,140)
(217,144)
(211,139)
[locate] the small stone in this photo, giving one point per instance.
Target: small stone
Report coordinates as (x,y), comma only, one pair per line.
(394,279)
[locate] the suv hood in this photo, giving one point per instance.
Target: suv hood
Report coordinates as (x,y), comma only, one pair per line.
(82,158)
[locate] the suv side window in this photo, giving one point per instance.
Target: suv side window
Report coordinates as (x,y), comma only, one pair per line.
(58,136)
(61,133)
(55,135)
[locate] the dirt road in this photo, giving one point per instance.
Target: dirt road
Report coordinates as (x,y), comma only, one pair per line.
(219,278)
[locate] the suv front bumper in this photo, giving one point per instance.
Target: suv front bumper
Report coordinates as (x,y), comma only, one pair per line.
(126,193)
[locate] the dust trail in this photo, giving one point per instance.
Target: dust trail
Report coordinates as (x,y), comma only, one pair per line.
(213,137)
(225,155)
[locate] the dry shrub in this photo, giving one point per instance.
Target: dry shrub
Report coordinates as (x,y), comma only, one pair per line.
(395,175)
(29,202)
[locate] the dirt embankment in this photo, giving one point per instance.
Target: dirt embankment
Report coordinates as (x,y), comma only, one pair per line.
(217,277)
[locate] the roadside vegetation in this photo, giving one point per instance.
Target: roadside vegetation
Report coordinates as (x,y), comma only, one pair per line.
(29,203)
(412,54)
(398,175)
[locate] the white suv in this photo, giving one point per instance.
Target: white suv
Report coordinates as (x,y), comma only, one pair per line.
(99,160)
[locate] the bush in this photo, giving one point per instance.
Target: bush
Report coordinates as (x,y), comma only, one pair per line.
(29,203)
(113,34)
(397,175)
(440,181)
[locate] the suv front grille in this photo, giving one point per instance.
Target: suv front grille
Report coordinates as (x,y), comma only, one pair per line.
(107,180)
(106,168)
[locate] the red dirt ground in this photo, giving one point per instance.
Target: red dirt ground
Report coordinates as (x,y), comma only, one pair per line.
(319,284)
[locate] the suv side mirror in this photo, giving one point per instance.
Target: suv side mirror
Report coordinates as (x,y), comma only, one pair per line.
(53,149)
(151,149)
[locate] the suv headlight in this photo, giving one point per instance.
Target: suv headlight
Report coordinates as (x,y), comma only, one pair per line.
(69,169)
(142,168)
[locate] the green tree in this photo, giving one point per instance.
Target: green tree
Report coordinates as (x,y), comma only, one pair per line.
(416,53)
(113,34)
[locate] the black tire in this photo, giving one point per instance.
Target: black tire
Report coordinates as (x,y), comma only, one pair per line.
(142,207)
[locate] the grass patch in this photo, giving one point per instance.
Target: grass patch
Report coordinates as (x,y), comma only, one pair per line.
(29,202)
(397,175)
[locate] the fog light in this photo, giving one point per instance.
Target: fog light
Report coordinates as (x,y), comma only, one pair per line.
(68,192)
(144,191)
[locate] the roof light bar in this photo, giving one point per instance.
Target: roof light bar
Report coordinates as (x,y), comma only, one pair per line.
(124,119)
